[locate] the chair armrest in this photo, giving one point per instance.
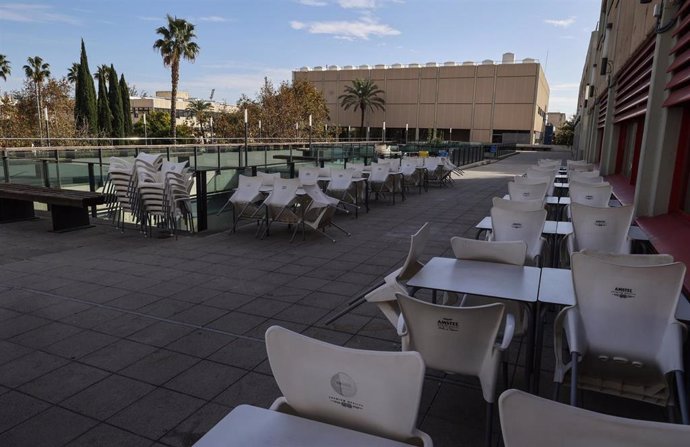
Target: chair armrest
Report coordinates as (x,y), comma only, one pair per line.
(508,332)
(670,354)
(401,327)
(564,323)
(574,331)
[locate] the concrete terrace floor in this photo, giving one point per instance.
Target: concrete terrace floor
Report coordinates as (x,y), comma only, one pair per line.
(111,339)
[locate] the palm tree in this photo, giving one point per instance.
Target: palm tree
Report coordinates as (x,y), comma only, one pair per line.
(177,41)
(5,67)
(363,94)
(73,73)
(199,109)
(37,71)
(102,71)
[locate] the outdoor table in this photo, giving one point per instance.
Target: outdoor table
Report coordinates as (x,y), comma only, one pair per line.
(491,279)
(562,188)
(561,176)
(257,427)
(550,226)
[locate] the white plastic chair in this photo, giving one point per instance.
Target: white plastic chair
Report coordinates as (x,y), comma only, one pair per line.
(527,226)
(528,420)
(545,176)
(601,229)
(245,200)
(309,175)
(374,392)
(343,188)
(460,340)
(622,334)
(518,205)
(381,181)
(410,173)
(598,194)
(279,204)
(318,214)
(524,191)
(268,179)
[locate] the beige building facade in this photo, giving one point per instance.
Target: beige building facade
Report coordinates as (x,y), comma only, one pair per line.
(161,102)
(486,102)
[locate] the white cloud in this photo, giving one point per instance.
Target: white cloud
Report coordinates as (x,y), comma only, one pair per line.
(215,19)
(33,13)
(348,30)
(561,23)
(312,2)
(357,4)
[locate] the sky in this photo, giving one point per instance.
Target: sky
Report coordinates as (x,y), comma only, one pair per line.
(243,41)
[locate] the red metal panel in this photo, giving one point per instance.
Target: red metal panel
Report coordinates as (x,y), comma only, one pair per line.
(632,84)
(679,85)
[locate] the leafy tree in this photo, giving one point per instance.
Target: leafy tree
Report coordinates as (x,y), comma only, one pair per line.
(126,107)
(158,126)
(102,72)
(85,106)
(105,116)
(73,73)
(176,42)
(362,95)
(565,133)
(5,67)
(37,71)
(115,103)
(200,109)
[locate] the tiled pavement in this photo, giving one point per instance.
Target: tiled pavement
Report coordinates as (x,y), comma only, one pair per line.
(111,339)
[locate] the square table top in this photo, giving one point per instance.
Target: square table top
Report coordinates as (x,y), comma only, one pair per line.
(257,427)
(634,232)
(550,226)
(512,282)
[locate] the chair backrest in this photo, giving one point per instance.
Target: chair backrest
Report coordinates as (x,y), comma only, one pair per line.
(601,229)
(177,168)
(518,205)
(153,161)
(394,163)
(408,167)
(504,252)
(509,225)
(341,179)
(417,244)
(581,167)
(268,179)
(631,260)
(247,189)
(379,172)
(570,163)
(524,180)
(527,192)
(585,177)
(324,172)
(597,194)
(625,310)
(284,191)
(431,163)
(376,392)
(435,331)
(308,175)
(528,420)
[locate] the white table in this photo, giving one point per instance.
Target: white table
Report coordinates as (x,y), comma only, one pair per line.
(248,426)
(550,226)
(634,232)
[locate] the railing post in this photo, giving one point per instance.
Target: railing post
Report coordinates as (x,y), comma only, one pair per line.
(57,168)
(196,165)
(92,186)
(6,166)
(201,200)
(291,165)
(100,167)
(218,157)
(254,173)
(45,173)
(167,152)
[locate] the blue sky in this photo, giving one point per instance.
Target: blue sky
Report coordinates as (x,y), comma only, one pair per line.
(243,41)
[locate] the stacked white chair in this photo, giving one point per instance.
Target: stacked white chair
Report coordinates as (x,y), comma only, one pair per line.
(528,420)
(622,335)
(120,173)
(374,392)
(469,333)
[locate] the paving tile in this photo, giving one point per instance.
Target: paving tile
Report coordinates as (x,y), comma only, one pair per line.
(17,407)
(196,425)
(165,308)
(200,343)
(199,315)
(298,313)
(193,294)
(157,413)
(28,367)
(160,333)
(133,301)
(80,344)
(228,300)
(92,317)
(57,385)
(252,389)
(124,325)
(236,322)
(61,310)
(242,353)
(104,435)
(53,427)
(46,335)
(205,379)
(10,351)
(159,367)
(264,307)
(107,397)
(21,324)
(259,332)
(118,355)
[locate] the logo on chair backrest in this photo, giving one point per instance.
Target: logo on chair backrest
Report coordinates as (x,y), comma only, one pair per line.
(516,225)
(447,324)
(623,292)
(283,187)
(343,384)
(589,197)
(525,194)
(600,223)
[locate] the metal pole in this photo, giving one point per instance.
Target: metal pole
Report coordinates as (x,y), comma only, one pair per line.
(146,138)
(6,166)
(246,149)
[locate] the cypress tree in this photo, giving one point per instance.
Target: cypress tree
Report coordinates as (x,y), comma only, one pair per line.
(105,118)
(115,103)
(85,107)
(126,107)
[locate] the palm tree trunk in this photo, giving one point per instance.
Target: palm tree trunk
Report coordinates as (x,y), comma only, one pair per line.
(37,90)
(361,123)
(175,72)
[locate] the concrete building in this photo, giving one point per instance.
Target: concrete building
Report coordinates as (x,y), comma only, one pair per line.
(161,102)
(486,102)
(633,116)
(555,119)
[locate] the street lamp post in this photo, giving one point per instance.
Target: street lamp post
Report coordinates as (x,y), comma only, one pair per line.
(349,138)
(146,138)
(383,133)
(246,136)
(407,131)
(450,137)
(259,129)
(310,132)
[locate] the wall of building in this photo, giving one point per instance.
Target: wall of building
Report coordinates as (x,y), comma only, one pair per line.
(476,101)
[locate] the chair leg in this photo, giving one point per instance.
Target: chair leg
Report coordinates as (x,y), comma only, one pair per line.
(556,391)
(489,422)
(573,379)
(682,397)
